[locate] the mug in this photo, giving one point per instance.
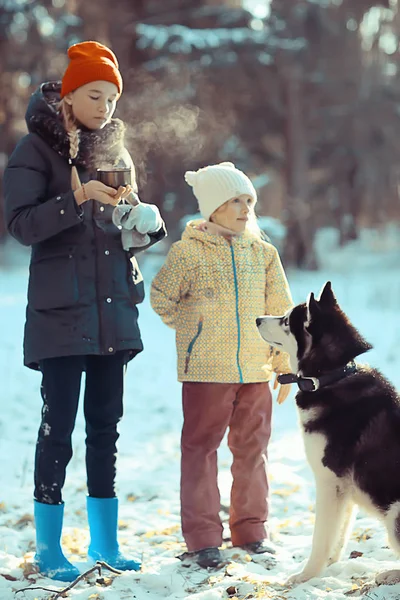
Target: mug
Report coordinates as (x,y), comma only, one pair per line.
(115,178)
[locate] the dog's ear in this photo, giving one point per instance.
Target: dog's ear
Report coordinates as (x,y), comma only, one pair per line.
(313,310)
(327,298)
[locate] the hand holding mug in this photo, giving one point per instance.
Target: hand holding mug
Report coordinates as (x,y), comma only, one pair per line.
(96,190)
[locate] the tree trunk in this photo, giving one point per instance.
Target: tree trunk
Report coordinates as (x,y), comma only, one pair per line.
(299,246)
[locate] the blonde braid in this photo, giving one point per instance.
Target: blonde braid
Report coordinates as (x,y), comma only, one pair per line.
(74,139)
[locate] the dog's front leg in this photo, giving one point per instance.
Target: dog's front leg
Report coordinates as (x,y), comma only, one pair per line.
(346,509)
(327,517)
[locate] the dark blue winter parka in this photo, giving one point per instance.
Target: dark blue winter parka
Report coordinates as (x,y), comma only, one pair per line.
(83,286)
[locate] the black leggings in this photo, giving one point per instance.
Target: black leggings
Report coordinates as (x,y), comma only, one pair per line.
(60,391)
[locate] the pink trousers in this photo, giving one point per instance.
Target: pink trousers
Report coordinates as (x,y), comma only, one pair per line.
(208,410)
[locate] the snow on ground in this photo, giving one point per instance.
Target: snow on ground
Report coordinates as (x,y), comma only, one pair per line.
(366,278)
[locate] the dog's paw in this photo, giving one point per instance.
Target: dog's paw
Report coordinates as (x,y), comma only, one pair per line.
(388,577)
(297,578)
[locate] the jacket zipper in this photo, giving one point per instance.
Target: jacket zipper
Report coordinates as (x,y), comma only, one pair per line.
(237,314)
(97,284)
(192,343)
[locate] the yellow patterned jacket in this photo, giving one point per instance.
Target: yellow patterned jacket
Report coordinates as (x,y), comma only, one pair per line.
(211,291)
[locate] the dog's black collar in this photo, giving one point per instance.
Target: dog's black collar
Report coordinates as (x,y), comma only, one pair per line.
(312,384)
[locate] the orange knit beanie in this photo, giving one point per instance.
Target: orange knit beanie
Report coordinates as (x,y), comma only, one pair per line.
(90,61)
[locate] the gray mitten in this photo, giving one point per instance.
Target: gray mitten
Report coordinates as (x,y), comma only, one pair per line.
(130,237)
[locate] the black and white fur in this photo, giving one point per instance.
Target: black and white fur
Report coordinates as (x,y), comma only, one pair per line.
(351,428)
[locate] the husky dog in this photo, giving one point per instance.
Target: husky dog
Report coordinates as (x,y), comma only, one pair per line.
(350,418)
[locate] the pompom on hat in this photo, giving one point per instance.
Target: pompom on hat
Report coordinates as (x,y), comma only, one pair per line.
(216,184)
(90,61)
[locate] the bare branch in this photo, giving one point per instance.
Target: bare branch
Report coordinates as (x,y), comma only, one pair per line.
(61,593)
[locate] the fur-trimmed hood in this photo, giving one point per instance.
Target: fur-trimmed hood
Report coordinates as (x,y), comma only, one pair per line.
(97,147)
(208,233)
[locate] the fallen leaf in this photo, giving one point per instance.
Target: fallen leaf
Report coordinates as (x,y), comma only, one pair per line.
(248,558)
(104,581)
(8,577)
(28,569)
(286,492)
(355,554)
(231,591)
(26,519)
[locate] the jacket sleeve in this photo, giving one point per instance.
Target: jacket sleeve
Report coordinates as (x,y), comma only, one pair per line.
(278,300)
(155,237)
(170,285)
(31,216)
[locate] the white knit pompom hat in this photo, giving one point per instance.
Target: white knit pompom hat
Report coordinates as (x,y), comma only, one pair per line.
(216,184)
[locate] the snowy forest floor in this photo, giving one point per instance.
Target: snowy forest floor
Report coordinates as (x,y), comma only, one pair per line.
(366,278)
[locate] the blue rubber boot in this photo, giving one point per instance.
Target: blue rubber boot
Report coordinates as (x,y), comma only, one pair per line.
(49,557)
(103,525)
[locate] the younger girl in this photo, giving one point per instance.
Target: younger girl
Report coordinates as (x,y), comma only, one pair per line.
(83,290)
(214,284)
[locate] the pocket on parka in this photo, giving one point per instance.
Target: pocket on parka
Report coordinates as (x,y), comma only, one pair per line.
(192,343)
(53,281)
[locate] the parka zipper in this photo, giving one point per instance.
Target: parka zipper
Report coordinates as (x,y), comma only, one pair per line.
(237,313)
(192,343)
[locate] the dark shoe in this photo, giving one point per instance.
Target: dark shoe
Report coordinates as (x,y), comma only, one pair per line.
(208,557)
(260,547)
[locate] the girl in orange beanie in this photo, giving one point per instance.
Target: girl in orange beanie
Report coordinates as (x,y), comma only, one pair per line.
(84,286)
